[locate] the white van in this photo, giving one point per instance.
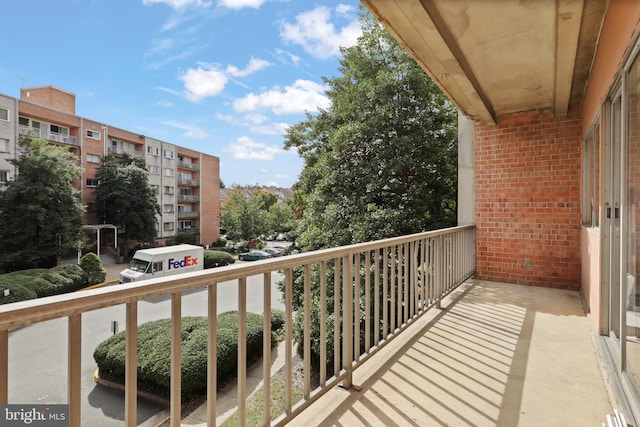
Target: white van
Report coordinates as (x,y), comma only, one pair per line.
(164,261)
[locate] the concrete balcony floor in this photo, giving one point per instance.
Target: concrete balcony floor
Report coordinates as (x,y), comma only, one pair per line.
(496,355)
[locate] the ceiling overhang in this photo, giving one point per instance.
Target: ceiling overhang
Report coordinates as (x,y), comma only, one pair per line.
(494,57)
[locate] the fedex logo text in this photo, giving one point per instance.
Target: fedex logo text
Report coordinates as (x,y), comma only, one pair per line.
(188,261)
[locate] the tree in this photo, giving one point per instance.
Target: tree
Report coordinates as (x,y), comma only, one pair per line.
(382,160)
(40,213)
(280,218)
(243,217)
(126,198)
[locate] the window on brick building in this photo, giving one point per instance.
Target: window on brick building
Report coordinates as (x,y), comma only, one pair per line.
(168,226)
(93,134)
(154,170)
(92,182)
(93,158)
(61,130)
(591,178)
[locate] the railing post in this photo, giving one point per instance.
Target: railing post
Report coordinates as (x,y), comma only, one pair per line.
(439,273)
(288,325)
(307,332)
(212,354)
(347,322)
(266,349)
(131,364)
(4,367)
(176,358)
(74,369)
(323,323)
(242,351)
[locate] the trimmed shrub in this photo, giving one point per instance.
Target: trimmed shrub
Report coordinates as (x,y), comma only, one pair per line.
(40,282)
(92,265)
(154,353)
(73,272)
(217,259)
(221,242)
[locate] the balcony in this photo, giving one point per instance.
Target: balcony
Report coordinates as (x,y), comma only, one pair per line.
(188,230)
(189,182)
(187,165)
(438,347)
(192,198)
(48,135)
(119,151)
(188,215)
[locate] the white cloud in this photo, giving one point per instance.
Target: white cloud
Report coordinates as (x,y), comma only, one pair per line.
(273,128)
(239,4)
(247,149)
(254,65)
(256,123)
(314,31)
(202,82)
(178,4)
(285,57)
(191,131)
(344,9)
(303,95)
(168,90)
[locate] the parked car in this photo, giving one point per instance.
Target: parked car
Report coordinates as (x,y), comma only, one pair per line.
(281,237)
(254,255)
(274,251)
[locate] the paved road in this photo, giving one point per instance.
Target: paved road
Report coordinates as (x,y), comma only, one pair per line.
(38,353)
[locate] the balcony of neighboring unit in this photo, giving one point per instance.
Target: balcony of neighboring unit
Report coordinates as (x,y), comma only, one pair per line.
(191,198)
(189,182)
(188,230)
(188,215)
(51,136)
(119,151)
(188,165)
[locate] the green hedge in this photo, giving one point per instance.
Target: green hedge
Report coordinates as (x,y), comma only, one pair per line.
(41,282)
(217,258)
(154,353)
(91,263)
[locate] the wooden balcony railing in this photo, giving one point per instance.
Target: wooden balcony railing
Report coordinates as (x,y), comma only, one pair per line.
(384,285)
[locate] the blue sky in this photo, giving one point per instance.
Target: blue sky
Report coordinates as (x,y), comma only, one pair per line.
(224,77)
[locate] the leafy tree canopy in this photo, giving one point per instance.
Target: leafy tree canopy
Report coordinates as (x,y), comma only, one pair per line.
(40,213)
(126,198)
(382,160)
(244,217)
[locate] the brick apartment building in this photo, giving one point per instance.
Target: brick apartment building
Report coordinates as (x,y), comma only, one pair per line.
(187,182)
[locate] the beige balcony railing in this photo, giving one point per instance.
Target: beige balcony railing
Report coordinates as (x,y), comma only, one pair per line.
(385,285)
(188,165)
(48,135)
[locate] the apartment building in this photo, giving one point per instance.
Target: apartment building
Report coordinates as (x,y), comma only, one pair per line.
(187,182)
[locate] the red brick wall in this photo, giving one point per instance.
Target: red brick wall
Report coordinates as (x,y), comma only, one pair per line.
(527,188)
(209,199)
